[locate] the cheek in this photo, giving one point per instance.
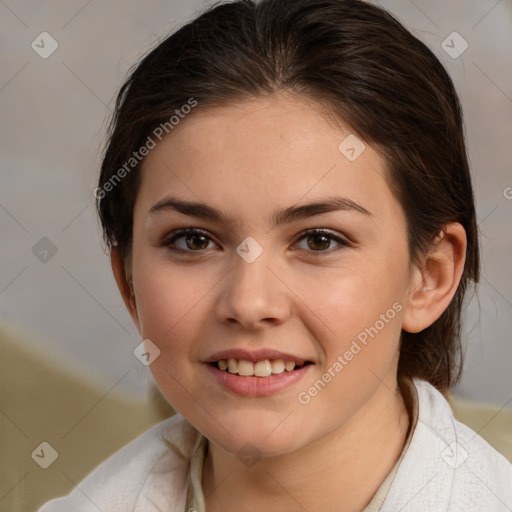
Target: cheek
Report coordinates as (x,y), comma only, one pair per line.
(352,299)
(359,345)
(170,303)
(171,306)
(358,311)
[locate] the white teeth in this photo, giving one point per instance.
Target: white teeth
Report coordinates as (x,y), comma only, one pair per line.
(232,366)
(245,368)
(278,366)
(264,368)
(289,365)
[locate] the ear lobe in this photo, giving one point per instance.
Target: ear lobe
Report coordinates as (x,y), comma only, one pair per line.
(436,280)
(122,275)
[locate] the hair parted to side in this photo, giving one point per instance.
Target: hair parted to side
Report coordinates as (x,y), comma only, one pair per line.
(367,71)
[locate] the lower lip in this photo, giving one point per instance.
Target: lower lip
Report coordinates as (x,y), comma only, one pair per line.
(258,386)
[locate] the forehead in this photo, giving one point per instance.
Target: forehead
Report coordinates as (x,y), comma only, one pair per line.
(259,153)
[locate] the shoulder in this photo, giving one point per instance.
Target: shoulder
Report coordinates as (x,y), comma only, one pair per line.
(436,413)
(448,466)
(121,481)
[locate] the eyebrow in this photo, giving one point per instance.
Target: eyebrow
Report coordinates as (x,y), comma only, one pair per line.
(287,215)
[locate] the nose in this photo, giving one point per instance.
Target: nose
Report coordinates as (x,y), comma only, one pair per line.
(253,295)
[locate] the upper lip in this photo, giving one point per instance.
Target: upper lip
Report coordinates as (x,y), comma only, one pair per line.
(254,355)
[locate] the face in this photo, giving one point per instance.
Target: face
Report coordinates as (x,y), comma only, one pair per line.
(295,252)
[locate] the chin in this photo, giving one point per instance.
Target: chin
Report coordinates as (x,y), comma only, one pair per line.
(244,437)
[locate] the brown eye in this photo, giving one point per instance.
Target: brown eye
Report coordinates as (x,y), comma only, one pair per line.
(321,241)
(318,242)
(196,242)
(188,240)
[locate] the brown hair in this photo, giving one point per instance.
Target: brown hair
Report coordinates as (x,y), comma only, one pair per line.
(363,66)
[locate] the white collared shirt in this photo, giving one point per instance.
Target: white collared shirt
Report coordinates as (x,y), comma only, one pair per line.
(444,467)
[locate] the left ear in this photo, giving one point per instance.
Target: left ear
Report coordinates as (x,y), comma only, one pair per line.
(436,279)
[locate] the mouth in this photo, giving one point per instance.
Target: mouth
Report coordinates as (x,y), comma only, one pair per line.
(264,368)
(258,372)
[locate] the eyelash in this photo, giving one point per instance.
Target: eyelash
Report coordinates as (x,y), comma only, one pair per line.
(169,240)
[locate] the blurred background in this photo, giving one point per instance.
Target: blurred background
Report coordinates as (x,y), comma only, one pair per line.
(62,63)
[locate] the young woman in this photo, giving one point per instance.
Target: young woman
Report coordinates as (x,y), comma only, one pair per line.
(288,207)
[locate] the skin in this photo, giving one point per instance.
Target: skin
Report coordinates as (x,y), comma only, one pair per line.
(248,160)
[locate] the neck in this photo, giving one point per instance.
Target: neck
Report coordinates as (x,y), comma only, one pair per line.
(359,455)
